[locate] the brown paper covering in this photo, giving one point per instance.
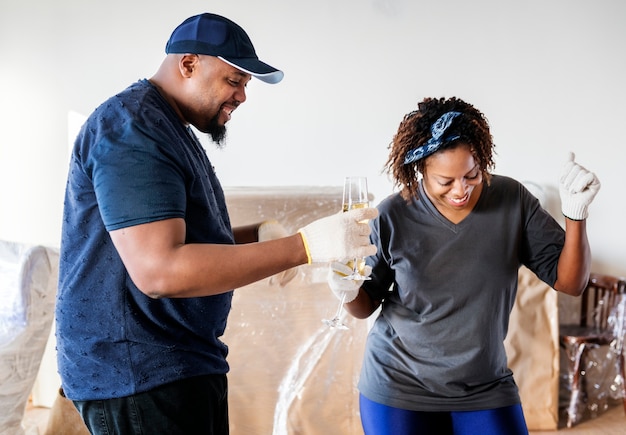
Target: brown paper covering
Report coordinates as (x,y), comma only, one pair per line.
(532,347)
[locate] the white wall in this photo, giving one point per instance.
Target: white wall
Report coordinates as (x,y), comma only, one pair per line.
(549,75)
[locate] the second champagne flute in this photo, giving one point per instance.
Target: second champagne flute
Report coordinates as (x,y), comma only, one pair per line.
(355,195)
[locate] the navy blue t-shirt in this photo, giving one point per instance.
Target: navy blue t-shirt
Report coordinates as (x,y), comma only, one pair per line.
(135,162)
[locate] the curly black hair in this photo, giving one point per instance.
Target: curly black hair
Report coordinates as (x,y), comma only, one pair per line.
(415,130)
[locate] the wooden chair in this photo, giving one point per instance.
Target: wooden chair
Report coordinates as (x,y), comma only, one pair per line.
(603,299)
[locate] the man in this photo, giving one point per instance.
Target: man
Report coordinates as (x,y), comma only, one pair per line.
(149,259)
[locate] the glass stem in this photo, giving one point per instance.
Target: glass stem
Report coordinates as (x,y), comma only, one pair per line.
(340,308)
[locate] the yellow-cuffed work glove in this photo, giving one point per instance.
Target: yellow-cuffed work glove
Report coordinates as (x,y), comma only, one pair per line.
(271,230)
(577,188)
(339,236)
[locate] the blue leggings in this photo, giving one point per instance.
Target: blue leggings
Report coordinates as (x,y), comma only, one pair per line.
(379,419)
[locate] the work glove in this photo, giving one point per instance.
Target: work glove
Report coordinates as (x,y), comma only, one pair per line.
(348,287)
(339,236)
(271,230)
(577,189)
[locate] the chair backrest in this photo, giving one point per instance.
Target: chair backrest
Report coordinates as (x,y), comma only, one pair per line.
(599,299)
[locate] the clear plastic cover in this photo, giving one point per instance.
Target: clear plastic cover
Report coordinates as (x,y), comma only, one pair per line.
(290,373)
(601,380)
(28,280)
(13,298)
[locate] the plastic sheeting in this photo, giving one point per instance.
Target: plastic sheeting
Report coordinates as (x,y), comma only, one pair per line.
(290,374)
(28,280)
(601,381)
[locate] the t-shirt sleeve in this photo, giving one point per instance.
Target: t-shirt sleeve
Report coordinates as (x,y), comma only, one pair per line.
(543,240)
(136,178)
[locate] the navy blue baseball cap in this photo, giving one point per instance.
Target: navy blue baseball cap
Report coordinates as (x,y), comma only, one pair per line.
(217,36)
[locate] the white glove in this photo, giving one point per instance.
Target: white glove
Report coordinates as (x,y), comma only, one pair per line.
(338,236)
(350,287)
(271,230)
(577,189)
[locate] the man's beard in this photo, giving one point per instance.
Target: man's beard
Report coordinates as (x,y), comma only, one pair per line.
(216,131)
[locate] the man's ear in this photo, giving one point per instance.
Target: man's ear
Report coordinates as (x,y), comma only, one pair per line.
(187,64)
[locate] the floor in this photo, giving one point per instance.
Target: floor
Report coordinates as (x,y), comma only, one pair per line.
(612,422)
(35,420)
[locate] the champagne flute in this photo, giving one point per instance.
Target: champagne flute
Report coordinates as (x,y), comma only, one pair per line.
(355,195)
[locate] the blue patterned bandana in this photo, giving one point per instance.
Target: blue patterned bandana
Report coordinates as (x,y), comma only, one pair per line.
(436,141)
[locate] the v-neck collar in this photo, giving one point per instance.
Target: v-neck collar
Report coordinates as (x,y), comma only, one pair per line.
(440,217)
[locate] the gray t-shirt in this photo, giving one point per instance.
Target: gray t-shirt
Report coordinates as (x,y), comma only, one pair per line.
(447,291)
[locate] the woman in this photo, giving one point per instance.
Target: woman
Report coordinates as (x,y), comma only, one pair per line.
(450,244)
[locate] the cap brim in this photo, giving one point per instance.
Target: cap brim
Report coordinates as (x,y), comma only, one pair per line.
(256,68)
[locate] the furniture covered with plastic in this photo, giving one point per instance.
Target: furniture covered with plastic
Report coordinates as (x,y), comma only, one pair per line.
(593,350)
(28,282)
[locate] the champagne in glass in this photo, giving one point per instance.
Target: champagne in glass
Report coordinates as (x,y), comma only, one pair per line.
(355,195)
